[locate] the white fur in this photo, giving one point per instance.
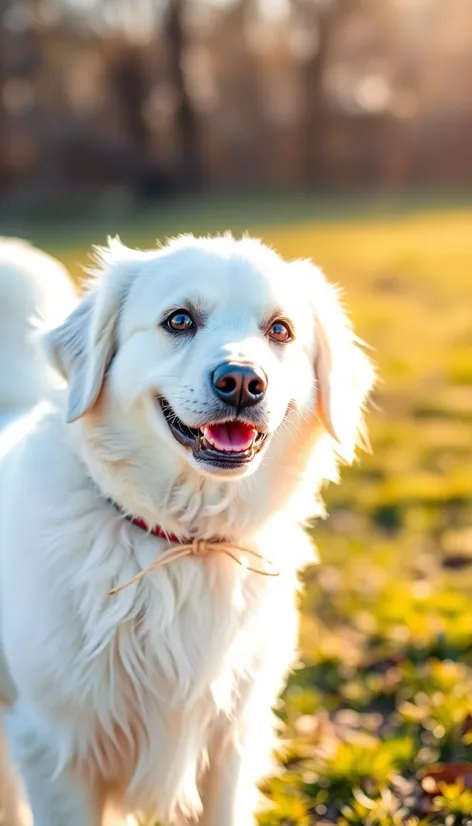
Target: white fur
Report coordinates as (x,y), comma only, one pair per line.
(33,288)
(158,700)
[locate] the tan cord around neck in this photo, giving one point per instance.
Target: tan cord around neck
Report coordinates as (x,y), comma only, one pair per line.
(201,547)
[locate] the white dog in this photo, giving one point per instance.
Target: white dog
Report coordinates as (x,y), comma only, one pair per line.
(209,390)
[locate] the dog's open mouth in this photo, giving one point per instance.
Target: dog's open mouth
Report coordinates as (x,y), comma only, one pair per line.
(229,443)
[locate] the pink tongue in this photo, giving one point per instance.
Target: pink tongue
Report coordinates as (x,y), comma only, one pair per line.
(232,437)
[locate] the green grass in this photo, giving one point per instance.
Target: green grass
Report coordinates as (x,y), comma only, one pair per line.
(386,685)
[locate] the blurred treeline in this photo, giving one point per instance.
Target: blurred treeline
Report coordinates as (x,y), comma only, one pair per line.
(143,98)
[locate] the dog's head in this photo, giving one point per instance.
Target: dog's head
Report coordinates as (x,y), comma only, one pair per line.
(209,350)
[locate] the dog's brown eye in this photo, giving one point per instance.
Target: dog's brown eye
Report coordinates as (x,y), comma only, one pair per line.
(179,322)
(279,331)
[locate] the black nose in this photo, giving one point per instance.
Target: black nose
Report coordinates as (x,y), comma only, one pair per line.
(239,385)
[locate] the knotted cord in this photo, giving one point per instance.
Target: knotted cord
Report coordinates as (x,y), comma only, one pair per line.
(202,547)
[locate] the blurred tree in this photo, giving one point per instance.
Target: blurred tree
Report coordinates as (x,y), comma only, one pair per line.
(186,121)
(3,119)
(131,87)
(318,17)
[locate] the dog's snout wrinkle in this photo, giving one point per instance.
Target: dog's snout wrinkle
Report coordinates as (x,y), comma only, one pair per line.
(239,385)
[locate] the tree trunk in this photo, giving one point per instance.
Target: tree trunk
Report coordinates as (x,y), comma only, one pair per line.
(130,85)
(3,118)
(314,114)
(186,117)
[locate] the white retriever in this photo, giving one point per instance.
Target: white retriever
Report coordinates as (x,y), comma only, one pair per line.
(210,388)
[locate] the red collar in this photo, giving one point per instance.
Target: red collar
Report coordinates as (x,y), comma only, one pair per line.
(156,530)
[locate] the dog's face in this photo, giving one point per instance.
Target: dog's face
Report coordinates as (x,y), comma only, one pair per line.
(218,346)
(211,346)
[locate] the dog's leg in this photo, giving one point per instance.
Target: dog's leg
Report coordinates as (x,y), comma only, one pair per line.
(238,761)
(230,794)
(69,798)
(241,752)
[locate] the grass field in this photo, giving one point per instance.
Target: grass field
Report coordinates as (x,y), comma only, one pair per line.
(385,692)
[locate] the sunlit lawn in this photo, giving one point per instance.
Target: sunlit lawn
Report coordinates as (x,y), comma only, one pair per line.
(386,687)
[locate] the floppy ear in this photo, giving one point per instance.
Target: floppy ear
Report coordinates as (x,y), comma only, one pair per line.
(343,372)
(82,348)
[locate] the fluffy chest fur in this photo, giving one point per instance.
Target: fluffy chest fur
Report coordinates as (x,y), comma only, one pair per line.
(164,665)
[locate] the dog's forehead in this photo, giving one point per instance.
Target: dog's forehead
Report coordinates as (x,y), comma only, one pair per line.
(249,276)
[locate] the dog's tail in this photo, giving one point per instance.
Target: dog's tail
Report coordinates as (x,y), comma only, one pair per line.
(35,292)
